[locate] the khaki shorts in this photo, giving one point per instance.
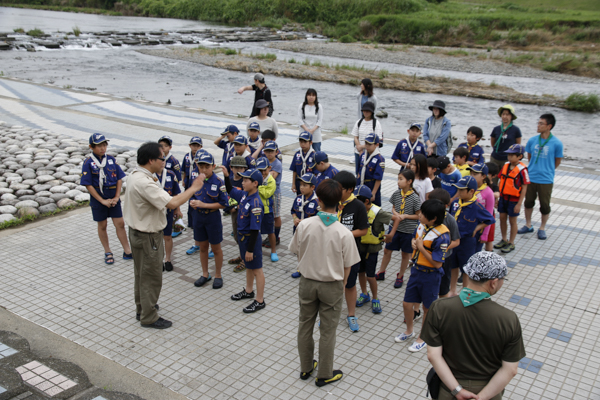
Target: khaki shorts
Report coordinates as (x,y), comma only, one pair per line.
(544,191)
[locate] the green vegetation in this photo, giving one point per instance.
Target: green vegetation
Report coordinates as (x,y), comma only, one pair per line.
(19,30)
(583,102)
(266,56)
(344,130)
(76,31)
(383,73)
(28,218)
(292,61)
(35,32)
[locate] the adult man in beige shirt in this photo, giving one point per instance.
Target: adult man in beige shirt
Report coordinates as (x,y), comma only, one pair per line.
(144,211)
(326,250)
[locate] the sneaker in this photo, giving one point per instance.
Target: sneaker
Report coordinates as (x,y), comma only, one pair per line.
(160,323)
(376,306)
(460,279)
(337,375)
(175,234)
(525,229)
(508,248)
(417,316)
(542,234)
(380,276)
(500,244)
(168,266)
(416,346)
(353,323)
(268,245)
(192,250)
(265,242)
(211,254)
(403,337)
(363,299)
(274,257)
(243,295)
(296,274)
(399,281)
(138,316)
(254,306)
(305,375)
(202,280)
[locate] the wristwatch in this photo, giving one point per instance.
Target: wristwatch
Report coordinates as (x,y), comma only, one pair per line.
(456,391)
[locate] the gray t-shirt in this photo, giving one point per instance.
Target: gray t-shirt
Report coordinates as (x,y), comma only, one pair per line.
(435,129)
(268,123)
(277,166)
(452,226)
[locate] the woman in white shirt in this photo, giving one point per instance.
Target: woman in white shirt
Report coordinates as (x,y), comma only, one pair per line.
(367,124)
(310,116)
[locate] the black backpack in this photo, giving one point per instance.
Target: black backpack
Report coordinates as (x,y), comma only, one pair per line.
(374,124)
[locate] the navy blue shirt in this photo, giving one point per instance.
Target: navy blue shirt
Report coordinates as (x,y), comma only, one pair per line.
(227,147)
(172,164)
(310,207)
(329,173)
(508,139)
(90,172)
(250,210)
(185,168)
(373,171)
(402,150)
(213,191)
(470,216)
(298,164)
(475,153)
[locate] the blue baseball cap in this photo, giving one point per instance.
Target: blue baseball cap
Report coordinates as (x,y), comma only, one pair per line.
(481,168)
(305,136)
(204,157)
(372,138)
(98,138)
(515,149)
(466,182)
(320,156)
(239,139)
(364,191)
(230,129)
(271,145)
(255,126)
(197,140)
(309,178)
(416,125)
(262,163)
(253,174)
(167,138)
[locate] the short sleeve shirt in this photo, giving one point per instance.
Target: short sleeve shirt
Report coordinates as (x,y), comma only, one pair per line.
(250,210)
(373,171)
(144,203)
(277,166)
(470,216)
(187,166)
(475,153)
(171,182)
(542,165)
(90,172)
(452,226)
(354,217)
(508,139)
(439,245)
(329,173)
(172,164)
(213,191)
(412,204)
(228,150)
(449,180)
(402,150)
(310,206)
(298,164)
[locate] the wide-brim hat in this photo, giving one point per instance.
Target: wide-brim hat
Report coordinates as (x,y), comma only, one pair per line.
(368,106)
(438,104)
(508,107)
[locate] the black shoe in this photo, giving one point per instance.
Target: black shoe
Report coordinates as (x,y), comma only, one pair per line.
(226,213)
(160,323)
(265,242)
(305,375)
(242,295)
(168,266)
(337,375)
(202,280)
(460,280)
(137,316)
(218,283)
(268,245)
(254,306)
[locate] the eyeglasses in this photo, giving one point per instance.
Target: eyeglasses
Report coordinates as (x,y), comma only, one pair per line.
(542,123)
(161,159)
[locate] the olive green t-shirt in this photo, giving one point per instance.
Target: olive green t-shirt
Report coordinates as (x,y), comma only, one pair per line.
(475,339)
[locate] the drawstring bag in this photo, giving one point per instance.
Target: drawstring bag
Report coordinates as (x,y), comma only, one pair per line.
(433,384)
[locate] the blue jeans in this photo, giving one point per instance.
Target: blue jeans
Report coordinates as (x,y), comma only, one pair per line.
(316,146)
(356,163)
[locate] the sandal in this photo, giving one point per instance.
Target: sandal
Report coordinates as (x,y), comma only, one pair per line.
(235,260)
(108,258)
(240,267)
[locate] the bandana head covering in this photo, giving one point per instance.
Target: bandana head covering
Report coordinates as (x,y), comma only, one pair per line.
(485,265)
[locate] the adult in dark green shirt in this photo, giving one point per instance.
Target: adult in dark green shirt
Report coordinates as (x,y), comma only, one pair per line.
(473,343)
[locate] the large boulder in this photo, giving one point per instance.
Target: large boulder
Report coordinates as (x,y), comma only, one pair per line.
(58,196)
(59,189)
(8,196)
(28,211)
(9,202)
(30,182)
(21,171)
(14,179)
(82,197)
(44,193)
(72,193)
(41,188)
(24,192)
(48,208)
(27,203)
(45,178)
(6,190)
(8,210)
(42,201)
(27,197)
(65,203)
(6,217)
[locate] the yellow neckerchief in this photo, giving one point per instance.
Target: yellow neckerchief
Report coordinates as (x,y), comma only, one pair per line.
(343,204)
(461,205)
(404,197)
(481,189)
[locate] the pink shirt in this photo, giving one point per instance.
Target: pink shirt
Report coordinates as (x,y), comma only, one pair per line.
(486,199)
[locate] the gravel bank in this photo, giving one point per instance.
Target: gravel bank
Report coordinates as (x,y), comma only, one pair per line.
(422,56)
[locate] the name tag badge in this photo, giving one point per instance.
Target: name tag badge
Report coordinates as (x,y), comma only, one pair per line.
(110,162)
(247,206)
(311,205)
(374,161)
(213,187)
(168,165)
(168,179)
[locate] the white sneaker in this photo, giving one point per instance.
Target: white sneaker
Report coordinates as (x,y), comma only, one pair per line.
(403,337)
(416,346)
(351,161)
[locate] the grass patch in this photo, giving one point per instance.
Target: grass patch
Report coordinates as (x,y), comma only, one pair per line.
(583,102)
(76,31)
(383,73)
(28,218)
(19,30)
(344,130)
(292,61)
(306,62)
(456,53)
(266,56)
(230,52)
(35,32)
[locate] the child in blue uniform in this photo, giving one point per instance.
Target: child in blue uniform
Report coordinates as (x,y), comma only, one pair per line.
(474,135)
(169,182)
(171,163)
(225,142)
(240,149)
(323,168)
(238,165)
(250,215)
(371,167)
(208,227)
(449,175)
(303,161)
(471,218)
(266,192)
(407,148)
(189,172)
(254,141)
(272,153)
(102,177)
(306,204)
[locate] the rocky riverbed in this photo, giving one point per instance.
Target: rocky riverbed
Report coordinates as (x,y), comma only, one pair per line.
(40,171)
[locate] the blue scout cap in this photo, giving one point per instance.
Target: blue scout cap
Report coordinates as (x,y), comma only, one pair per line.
(320,156)
(167,138)
(253,174)
(364,191)
(416,125)
(98,138)
(372,138)
(262,163)
(309,178)
(515,149)
(254,126)
(204,157)
(197,140)
(466,182)
(270,145)
(305,136)
(481,168)
(239,139)
(230,129)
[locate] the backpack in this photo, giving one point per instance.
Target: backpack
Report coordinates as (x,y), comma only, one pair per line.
(374,124)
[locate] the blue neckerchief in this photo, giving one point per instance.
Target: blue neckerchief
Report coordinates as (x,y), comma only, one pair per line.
(327,218)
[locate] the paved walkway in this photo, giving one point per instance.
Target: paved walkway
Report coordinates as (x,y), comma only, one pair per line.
(54,276)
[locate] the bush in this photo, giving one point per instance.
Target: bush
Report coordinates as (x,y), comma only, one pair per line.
(583,102)
(35,32)
(347,39)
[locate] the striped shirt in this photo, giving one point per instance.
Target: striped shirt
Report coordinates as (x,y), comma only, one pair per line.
(413,204)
